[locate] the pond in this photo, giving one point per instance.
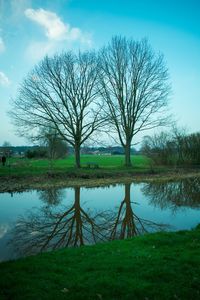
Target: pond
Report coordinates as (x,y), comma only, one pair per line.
(43,220)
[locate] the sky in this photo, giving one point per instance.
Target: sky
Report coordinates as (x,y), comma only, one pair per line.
(30,29)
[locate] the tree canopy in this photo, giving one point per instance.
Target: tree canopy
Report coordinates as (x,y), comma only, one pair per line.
(66,91)
(134,86)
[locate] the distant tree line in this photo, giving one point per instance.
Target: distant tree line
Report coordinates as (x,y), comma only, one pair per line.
(173,148)
(57,149)
(51,147)
(122,89)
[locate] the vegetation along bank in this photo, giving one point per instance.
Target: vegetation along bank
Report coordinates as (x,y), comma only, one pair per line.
(20,174)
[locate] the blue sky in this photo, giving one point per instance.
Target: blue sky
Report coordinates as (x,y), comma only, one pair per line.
(31,29)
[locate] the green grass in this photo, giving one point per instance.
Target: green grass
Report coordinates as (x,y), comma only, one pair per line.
(40,166)
(154,266)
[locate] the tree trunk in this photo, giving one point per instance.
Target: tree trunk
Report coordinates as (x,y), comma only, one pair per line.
(127,149)
(77,197)
(127,197)
(77,156)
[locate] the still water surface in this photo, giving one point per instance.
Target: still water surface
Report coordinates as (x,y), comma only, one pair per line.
(35,221)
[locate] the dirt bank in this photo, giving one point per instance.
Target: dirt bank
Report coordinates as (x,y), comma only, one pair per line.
(14,184)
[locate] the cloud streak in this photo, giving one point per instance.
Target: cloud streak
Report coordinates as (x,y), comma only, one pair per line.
(3,230)
(4,81)
(55,29)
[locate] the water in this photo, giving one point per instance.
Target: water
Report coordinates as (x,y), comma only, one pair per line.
(35,221)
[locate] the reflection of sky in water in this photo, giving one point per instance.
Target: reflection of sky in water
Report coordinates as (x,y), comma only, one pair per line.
(99,199)
(3,230)
(12,207)
(92,200)
(182,218)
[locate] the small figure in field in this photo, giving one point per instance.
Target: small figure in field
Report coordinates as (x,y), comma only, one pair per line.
(3,159)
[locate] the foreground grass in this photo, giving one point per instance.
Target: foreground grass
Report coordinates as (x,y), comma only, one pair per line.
(154,266)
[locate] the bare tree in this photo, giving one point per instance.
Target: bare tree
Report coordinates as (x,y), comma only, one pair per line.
(178,136)
(160,147)
(56,147)
(60,91)
(134,86)
(191,146)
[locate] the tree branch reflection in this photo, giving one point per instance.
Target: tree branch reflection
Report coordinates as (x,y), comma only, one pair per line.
(173,195)
(54,227)
(127,224)
(51,196)
(50,228)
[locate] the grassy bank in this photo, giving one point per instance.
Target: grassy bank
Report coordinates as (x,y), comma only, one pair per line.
(21,174)
(154,266)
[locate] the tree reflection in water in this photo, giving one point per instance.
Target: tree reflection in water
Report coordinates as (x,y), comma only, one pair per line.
(50,228)
(173,195)
(51,196)
(54,227)
(127,224)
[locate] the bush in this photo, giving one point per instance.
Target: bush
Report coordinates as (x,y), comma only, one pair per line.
(39,152)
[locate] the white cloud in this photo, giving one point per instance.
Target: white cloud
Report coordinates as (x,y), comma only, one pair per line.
(4,79)
(2,45)
(55,29)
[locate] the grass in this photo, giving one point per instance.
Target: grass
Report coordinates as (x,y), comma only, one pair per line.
(21,167)
(153,266)
(22,174)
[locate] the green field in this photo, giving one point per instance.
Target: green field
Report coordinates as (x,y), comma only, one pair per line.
(154,266)
(40,166)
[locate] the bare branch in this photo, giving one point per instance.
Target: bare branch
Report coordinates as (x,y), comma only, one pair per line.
(60,91)
(134,86)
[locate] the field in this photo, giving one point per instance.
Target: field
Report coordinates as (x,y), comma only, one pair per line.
(21,173)
(40,166)
(153,266)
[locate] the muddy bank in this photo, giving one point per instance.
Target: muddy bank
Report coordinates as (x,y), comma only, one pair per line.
(17,184)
